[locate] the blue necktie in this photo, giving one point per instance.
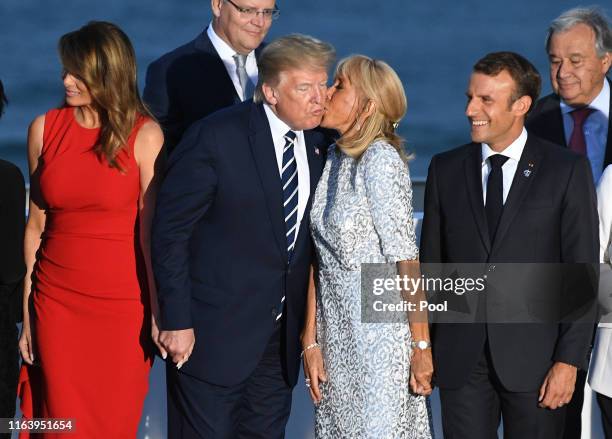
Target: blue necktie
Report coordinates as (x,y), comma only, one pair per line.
(289,180)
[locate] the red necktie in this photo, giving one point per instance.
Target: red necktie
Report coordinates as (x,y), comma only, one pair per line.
(577,142)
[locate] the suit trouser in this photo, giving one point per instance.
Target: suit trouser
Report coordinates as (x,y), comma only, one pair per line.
(474,410)
(256,408)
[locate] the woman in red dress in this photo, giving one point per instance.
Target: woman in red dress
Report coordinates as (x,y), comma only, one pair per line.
(89,293)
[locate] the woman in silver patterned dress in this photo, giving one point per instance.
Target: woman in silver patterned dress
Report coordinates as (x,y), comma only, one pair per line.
(368,380)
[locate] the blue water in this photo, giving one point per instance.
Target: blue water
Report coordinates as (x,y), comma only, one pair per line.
(431,44)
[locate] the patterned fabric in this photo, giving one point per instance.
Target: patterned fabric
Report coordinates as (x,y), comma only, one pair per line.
(362,212)
(289,180)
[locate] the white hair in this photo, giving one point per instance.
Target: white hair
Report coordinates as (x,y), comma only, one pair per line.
(593,17)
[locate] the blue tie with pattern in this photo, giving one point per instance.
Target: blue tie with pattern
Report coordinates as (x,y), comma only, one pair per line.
(289,180)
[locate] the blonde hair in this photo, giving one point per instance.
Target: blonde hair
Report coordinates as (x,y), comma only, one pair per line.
(377,83)
(101,55)
(293,51)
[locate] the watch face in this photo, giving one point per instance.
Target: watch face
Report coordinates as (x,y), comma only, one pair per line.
(422,344)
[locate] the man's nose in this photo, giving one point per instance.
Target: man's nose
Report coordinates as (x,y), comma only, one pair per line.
(471,108)
(319,94)
(564,69)
(258,19)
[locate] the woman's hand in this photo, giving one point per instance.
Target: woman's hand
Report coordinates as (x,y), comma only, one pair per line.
(25,342)
(421,372)
(314,372)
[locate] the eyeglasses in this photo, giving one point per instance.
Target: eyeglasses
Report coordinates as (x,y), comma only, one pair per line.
(268,14)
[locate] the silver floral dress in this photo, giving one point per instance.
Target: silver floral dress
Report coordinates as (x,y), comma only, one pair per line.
(362,213)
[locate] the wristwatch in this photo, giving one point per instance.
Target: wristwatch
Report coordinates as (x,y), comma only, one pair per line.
(420,344)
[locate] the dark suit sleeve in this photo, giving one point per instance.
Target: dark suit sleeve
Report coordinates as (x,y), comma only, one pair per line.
(157,96)
(430,246)
(12,225)
(185,196)
(580,243)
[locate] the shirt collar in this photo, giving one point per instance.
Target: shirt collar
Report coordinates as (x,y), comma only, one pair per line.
(600,103)
(225,51)
(277,126)
(513,151)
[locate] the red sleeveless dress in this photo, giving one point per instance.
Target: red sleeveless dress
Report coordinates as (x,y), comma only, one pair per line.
(90,325)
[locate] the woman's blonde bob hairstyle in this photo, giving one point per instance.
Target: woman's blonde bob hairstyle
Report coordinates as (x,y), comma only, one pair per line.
(380,91)
(101,55)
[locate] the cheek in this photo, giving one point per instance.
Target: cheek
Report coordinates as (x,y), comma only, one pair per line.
(591,74)
(553,73)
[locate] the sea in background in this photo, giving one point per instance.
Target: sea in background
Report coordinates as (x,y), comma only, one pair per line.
(432,45)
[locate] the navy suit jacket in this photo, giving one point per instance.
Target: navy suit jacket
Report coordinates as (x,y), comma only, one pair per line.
(550,216)
(218,245)
(546,121)
(186,85)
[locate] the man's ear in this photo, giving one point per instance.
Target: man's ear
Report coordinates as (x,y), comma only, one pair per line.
(269,94)
(606,62)
(522,105)
(215,6)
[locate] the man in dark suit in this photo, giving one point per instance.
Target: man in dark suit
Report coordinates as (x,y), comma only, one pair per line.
(577,115)
(232,250)
(12,270)
(507,197)
(214,71)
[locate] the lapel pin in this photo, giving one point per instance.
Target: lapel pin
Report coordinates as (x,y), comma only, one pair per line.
(316,151)
(527,172)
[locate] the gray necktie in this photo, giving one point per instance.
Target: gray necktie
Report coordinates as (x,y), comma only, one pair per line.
(243,77)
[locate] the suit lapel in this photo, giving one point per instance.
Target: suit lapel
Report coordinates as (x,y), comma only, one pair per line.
(223,82)
(314,152)
(262,148)
(553,120)
(473,175)
(526,172)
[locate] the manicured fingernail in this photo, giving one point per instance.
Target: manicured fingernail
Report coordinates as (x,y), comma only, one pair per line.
(164,355)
